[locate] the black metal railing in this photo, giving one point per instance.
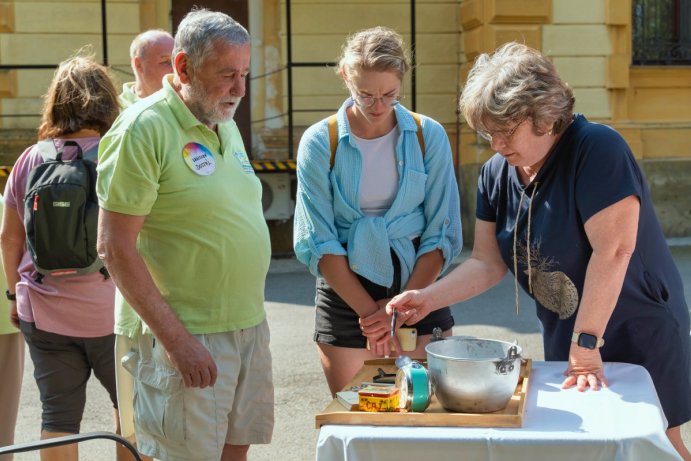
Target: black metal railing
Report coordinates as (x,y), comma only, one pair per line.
(68,440)
(661,32)
(289,66)
(104,44)
(292,64)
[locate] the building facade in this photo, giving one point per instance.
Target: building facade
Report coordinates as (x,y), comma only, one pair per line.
(600,48)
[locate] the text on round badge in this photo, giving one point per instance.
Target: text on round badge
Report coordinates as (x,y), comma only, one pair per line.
(199,158)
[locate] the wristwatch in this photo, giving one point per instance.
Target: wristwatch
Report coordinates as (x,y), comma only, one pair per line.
(10,296)
(587,340)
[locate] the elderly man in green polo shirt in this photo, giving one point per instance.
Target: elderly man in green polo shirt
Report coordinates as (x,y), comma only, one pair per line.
(182,233)
(150,54)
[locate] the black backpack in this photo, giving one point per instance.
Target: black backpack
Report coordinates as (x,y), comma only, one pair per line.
(61,213)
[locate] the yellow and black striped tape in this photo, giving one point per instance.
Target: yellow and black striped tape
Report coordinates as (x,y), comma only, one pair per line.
(274,165)
(258,165)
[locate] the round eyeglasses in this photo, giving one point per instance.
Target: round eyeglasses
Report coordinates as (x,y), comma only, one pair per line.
(505,135)
(369,101)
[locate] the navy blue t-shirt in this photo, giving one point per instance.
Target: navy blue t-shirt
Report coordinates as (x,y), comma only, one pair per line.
(589,169)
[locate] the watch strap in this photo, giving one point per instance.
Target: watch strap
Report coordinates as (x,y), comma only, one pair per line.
(10,296)
(577,334)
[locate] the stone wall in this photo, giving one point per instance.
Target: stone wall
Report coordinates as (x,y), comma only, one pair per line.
(670,187)
(12,144)
(589,42)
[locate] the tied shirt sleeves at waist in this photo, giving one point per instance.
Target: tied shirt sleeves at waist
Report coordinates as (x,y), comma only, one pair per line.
(328,217)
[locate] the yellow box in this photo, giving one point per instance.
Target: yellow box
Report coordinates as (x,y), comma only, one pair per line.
(379,398)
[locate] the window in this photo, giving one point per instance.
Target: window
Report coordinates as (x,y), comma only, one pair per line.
(661,32)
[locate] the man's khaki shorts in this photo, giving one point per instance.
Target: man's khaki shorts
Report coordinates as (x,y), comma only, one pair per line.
(125,387)
(175,423)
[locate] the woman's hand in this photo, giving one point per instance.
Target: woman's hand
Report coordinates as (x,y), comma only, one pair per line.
(412,306)
(585,369)
(378,323)
(377,328)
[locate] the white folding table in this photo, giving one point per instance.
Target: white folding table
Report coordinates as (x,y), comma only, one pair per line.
(622,422)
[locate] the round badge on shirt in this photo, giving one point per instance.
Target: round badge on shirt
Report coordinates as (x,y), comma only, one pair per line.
(199,158)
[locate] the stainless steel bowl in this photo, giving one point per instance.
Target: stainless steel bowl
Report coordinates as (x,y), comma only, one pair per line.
(473,375)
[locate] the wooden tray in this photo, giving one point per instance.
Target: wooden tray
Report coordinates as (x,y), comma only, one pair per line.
(435,415)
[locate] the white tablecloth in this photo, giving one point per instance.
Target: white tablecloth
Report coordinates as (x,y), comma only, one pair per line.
(623,422)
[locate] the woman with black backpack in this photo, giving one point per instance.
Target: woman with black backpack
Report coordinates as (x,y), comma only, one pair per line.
(66,316)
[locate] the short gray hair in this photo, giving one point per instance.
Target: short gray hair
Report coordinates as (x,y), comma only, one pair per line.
(516,83)
(201,28)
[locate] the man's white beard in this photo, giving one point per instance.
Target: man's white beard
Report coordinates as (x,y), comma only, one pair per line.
(205,110)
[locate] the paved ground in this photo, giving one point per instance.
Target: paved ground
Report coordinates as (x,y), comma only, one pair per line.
(300,388)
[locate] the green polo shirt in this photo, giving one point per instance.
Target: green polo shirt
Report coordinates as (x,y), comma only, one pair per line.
(204,239)
(128,96)
(126,320)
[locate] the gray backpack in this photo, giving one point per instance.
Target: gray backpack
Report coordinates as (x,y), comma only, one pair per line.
(61,213)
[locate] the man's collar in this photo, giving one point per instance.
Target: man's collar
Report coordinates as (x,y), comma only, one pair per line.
(182,113)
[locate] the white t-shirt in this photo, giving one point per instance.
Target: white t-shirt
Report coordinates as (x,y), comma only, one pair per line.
(379,182)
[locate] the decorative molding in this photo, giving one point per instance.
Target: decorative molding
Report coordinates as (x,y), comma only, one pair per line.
(617,12)
(618,71)
(474,43)
(515,12)
(147,15)
(618,20)
(6,16)
(660,77)
(620,104)
(633,137)
(470,13)
(486,24)
(8,84)
(529,34)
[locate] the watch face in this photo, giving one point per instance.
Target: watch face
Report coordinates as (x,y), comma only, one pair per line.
(588,341)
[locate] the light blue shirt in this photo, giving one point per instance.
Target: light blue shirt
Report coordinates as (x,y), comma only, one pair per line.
(328,214)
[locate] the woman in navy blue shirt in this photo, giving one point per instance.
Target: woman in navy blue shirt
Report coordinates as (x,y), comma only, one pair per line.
(564,206)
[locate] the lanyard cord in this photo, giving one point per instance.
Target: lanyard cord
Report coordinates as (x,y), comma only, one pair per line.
(515,243)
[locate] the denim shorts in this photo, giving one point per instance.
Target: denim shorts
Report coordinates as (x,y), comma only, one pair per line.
(337,324)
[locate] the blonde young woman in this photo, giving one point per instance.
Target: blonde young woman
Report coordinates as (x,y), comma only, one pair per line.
(565,207)
(379,215)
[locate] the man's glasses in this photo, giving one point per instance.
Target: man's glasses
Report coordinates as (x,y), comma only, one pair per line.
(369,101)
(499,134)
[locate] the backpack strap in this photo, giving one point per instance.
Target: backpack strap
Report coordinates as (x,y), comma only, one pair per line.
(332,121)
(333,138)
(420,138)
(47,149)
